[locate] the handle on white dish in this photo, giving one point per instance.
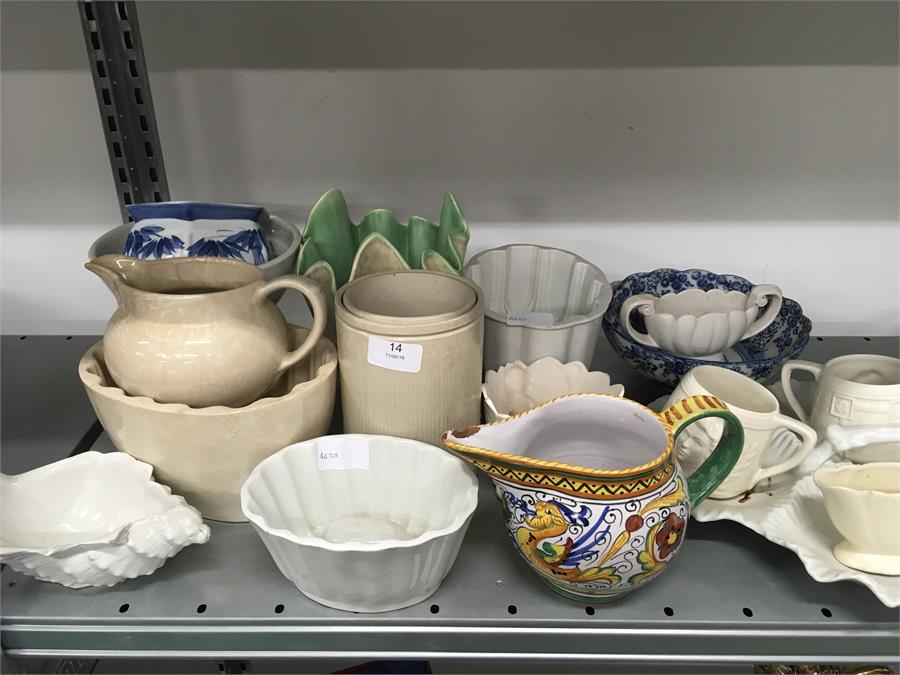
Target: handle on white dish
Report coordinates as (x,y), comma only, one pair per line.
(768,296)
(808,437)
(632,303)
(790,367)
(311,291)
(490,405)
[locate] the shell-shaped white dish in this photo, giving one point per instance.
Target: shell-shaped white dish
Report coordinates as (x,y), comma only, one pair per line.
(515,387)
(539,301)
(362,523)
(94,519)
(790,511)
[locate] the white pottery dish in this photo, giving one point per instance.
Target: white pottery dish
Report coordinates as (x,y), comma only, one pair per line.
(539,301)
(701,323)
(362,523)
(863,503)
(791,512)
(515,387)
(94,519)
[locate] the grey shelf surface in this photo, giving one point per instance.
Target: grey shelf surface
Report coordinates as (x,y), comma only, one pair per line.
(732,596)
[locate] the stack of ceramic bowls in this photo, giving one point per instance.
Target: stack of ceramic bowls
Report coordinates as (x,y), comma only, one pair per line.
(200,375)
(666,322)
(539,301)
(409,345)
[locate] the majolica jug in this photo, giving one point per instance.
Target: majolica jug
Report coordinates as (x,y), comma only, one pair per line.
(591,490)
(199,331)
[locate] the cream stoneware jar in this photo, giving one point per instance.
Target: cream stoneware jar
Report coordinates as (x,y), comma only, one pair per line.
(409,349)
(199,331)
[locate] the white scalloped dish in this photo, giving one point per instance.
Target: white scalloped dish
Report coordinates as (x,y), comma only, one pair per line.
(94,519)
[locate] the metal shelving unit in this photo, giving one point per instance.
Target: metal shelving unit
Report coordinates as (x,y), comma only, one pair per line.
(731,597)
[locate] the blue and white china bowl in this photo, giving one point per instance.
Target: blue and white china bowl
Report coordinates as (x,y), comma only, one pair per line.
(182,229)
(757,357)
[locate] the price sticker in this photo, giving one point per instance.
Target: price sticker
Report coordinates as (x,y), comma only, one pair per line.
(530,319)
(403,356)
(341,454)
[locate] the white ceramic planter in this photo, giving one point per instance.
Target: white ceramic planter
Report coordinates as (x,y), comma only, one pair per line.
(93,520)
(206,453)
(515,387)
(409,346)
(539,301)
(362,523)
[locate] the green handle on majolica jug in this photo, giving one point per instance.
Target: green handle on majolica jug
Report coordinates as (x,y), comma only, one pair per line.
(719,464)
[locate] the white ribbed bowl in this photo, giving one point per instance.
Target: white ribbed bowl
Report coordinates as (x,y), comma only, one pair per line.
(523,279)
(393,530)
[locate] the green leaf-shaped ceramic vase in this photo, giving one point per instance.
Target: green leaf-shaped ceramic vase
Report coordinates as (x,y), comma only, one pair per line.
(336,251)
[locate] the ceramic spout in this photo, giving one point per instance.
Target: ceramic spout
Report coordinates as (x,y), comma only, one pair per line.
(112,269)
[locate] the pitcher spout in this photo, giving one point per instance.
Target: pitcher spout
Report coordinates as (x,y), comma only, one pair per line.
(113,270)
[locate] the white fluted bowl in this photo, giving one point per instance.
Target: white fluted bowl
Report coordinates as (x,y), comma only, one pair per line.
(539,301)
(94,519)
(362,539)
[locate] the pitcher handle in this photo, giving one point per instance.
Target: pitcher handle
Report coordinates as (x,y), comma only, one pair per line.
(787,369)
(632,303)
(770,296)
(311,291)
(808,437)
(719,464)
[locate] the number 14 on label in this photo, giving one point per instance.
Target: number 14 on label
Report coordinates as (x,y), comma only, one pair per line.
(405,357)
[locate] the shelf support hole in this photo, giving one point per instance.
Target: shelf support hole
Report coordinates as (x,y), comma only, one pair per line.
(123,608)
(279,608)
(201,608)
(668,611)
(512,609)
(747,611)
(435,609)
(826,612)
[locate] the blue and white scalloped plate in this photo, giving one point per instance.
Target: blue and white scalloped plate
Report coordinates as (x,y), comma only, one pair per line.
(757,357)
(182,229)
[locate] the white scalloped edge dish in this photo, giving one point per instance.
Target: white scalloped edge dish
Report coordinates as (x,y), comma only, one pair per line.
(789,510)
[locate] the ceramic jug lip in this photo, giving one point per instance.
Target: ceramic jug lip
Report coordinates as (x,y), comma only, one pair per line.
(842,477)
(887,391)
(663,458)
(240,275)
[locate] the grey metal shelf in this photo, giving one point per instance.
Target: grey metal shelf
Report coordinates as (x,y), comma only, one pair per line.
(730,596)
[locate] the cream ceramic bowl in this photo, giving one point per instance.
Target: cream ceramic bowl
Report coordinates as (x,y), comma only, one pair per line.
(863,503)
(515,387)
(362,523)
(206,453)
(94,519)
(539,301)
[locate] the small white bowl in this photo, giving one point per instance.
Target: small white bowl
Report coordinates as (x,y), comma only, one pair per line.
(94,519)
(863,502)
(515,387)
(362,523)
(538,301)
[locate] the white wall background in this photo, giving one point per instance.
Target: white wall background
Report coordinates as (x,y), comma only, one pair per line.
(759,138)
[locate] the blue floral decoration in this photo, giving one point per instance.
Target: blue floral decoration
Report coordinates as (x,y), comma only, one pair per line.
(757,357)
(232,246)
(147,242)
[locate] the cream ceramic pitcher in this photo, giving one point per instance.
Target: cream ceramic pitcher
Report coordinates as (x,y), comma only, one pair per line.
(199,331)
(850,391)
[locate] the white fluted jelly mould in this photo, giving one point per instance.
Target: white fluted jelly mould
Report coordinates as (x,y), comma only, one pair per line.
(515,387)
(362,540)
(94,519)
(528,280)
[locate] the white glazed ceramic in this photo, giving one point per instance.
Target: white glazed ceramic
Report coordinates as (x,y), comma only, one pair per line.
(701,323)
(93,520)
(757,409)
(515,387)
(863,502)
(206,454)
(282,240)
(854,390)
(539,301)
(367,539)
(861,445)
